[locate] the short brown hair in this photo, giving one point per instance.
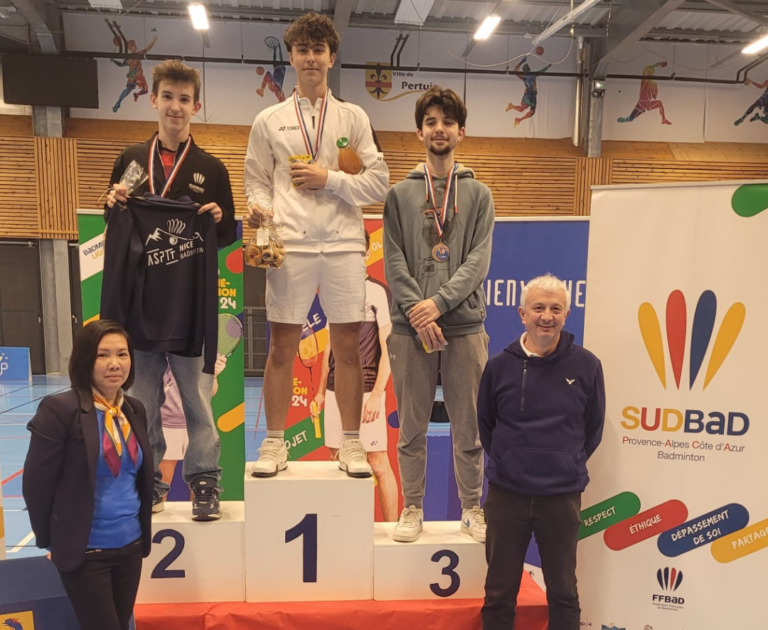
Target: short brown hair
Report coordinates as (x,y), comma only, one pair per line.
(85,349)
(174,71)
(446,99)
(312,28)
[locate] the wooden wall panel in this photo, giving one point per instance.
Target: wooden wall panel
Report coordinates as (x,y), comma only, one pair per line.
(57,186)
(43,180)
(18,189)
(654,172)
(95,159)
(589,173)
(15,125)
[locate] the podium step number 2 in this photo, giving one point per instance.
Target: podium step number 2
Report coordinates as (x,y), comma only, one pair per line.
(195,562)
(309,535)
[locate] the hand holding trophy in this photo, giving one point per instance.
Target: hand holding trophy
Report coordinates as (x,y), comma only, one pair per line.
(266,248)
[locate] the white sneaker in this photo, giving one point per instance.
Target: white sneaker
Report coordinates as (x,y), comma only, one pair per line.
(473,523)
(273,457)
(353,460)
(410,525)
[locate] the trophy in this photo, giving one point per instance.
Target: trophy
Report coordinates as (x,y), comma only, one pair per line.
(349,161)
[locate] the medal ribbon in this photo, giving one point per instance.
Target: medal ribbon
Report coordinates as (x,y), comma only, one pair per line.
(320,125)
(451,184)
(154,151)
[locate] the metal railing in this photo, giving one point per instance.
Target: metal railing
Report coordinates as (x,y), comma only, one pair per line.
(255,340)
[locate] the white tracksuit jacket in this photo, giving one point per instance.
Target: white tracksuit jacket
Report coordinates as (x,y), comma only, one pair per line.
(327,220)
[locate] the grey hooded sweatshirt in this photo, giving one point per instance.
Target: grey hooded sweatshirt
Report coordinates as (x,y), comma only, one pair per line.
(455,285)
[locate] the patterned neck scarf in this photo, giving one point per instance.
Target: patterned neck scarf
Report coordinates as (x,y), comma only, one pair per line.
(114,421)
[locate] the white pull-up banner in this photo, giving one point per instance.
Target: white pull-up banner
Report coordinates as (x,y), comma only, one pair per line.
(675,520)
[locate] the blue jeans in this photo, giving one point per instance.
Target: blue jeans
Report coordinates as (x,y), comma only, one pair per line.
(202,456)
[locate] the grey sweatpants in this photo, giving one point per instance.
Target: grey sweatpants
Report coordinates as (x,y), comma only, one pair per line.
(414,374)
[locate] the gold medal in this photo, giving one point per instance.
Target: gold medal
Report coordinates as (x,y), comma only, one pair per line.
(440,252)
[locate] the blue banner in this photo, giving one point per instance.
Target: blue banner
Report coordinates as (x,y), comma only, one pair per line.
(14,365)
(523,250)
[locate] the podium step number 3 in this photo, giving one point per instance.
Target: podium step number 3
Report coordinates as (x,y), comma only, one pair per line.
(442,563)
(309,535)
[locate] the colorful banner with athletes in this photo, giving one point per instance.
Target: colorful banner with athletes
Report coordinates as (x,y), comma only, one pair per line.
(676,515)
(314,424)
(229,401)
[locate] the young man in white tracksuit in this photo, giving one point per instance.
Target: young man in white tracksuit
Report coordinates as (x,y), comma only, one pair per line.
(292,178)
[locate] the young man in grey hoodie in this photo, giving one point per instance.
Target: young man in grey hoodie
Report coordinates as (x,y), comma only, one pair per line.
(438,228)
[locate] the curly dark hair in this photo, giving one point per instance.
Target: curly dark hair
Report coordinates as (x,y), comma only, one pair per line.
(446,99)
(312,28)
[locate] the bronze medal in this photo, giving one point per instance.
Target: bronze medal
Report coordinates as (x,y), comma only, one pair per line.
(440,252)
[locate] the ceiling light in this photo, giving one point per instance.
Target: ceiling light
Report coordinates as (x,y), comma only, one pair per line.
(756,47)
(487,27)
(199,17)
(106,4)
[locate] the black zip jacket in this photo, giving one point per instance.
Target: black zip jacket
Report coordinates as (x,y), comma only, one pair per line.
(202,177)
(160,276)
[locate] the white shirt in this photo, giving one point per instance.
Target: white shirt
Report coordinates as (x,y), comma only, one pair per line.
(527,352)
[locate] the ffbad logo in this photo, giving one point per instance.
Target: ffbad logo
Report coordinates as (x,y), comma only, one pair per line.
(698,343)
(669,579)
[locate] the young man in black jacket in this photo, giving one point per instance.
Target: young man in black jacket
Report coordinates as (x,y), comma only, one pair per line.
(540,409)
(177,167)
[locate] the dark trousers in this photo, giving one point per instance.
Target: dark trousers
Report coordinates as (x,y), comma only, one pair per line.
(103,588)
(554,521)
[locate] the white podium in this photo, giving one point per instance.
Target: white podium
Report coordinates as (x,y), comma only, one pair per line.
(195,562)
(442,563)
(309,533)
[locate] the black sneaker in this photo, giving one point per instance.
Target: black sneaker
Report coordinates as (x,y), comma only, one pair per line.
(205,504)
(158,502)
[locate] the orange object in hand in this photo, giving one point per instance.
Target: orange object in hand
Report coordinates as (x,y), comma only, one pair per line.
(349,161)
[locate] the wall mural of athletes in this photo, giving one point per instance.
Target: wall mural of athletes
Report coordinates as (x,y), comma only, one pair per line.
(527,97)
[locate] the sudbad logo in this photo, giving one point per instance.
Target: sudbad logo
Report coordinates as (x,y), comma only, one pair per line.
(669,579)
(698,342)
(701,334)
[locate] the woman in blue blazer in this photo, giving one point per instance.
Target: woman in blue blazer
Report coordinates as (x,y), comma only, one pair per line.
(88,479)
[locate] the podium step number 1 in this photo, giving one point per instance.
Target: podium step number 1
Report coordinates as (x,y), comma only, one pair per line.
(309,535)
(308,529)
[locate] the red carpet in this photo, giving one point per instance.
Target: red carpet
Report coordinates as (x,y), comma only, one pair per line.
(450,614)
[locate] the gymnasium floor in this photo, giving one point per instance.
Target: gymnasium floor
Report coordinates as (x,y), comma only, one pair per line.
(18,404)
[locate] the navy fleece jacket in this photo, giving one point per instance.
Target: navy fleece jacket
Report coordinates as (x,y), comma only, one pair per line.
(541,418)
